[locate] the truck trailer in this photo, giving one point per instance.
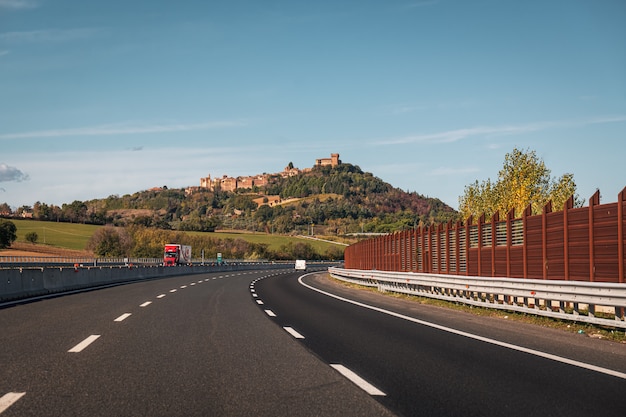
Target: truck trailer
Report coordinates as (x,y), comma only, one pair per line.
(300,265)
(176,254)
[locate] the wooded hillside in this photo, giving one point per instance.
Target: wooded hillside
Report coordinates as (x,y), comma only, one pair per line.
(324,201)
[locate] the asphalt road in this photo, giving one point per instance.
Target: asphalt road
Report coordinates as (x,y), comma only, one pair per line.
(439,362)
(265,344)
(186,346)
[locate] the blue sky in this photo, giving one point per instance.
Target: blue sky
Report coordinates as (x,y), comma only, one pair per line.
(112,97)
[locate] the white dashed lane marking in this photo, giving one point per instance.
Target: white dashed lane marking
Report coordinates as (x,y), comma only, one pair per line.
(357,380)
(7,400)
(123,317)
(294,333)
(82,345)
(146,304)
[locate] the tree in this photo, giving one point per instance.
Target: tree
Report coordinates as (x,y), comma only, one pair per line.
(8,233)
(75,212)
(32,237)
(110,242)
(5,210)
(523,181)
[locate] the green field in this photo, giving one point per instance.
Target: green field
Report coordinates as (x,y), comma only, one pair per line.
(62,235)
(274,241)
(75,236)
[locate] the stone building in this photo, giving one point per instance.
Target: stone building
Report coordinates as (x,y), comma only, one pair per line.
(227,183)
(333,161)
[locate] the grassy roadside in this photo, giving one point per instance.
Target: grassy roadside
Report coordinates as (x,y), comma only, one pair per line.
(590,330)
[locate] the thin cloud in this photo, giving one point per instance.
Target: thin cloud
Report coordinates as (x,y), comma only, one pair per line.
(112,130)
(8,173)
(18,4)
(461,134)
(48,35)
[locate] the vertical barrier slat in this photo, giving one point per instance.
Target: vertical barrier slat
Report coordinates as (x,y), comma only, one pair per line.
(525,215)
(481,222)
(621,199)
(569,204)
(509,239)
(494,237)
(593,201)
(544,238)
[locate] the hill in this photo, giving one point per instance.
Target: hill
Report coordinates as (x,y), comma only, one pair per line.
(325,200)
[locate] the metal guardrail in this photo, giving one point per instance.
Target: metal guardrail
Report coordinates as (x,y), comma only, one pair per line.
(578,301)
(27,261)
(55,261)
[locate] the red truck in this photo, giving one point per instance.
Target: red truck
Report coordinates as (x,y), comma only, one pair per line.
(176,254)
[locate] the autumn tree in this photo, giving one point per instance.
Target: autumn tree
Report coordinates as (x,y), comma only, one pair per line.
(523,181)
(110,242)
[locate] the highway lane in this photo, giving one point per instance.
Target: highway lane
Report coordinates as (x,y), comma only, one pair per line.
(194,345)
(423,370)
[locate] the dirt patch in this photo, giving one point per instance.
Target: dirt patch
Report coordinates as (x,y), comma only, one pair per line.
(29,249)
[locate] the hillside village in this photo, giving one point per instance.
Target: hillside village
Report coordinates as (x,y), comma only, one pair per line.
(226,183)
(231,184)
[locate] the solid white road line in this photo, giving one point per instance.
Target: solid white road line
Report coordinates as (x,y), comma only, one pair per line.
(474,336)
(357,380)
(8,399)
(294,333)
(123,317)
(146,304)
(82,345)
(270,313)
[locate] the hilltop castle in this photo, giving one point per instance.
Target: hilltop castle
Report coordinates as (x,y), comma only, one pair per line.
(227,183)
